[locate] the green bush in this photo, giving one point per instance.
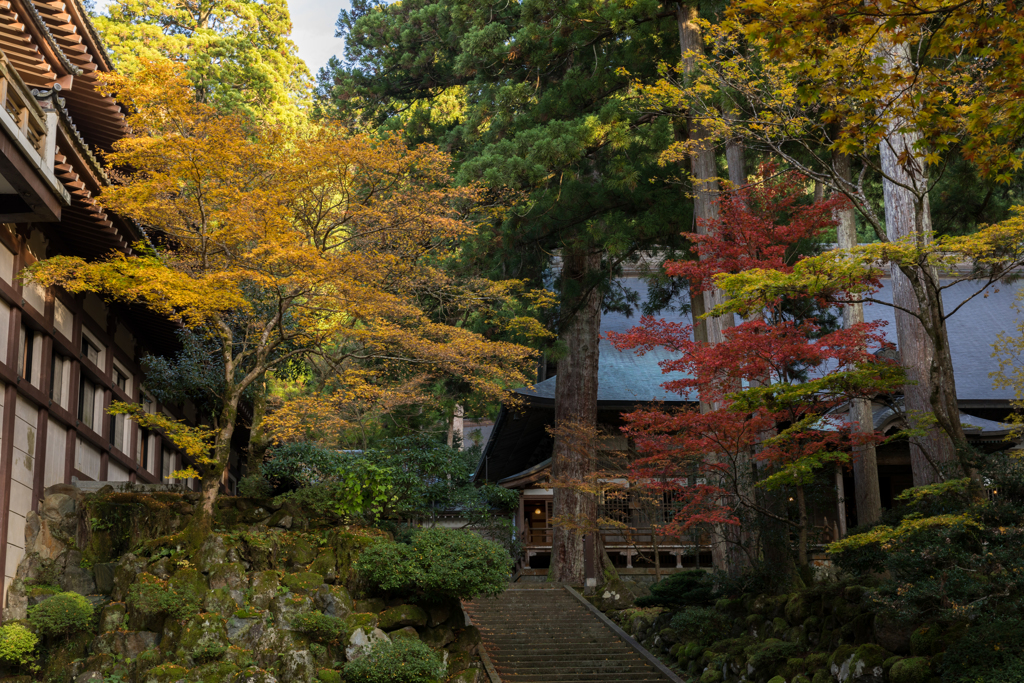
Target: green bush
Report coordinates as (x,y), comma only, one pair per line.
(178,597)
(686,589)
(438,563)
(991,651)
(297,465)
(404,660)
(702,624)
(17,645)
(255,486)
(319,626)
(61,615)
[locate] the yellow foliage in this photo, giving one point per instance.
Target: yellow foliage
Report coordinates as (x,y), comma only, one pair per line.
(281,243)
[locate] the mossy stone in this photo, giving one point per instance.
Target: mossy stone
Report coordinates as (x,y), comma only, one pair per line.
(300,551)
(910,670)
(229,575)
(325,563)
(374,605)
(353,622)
(693,650)
(780,626)
(402,615)
(165,673)
(777,679)
(796,609)
(821,677)
(213,672)
(264,587)
(221,601)
(854,594)
(926,640)
(841,654)
(711,676)
(329,676)
(404,632)
(303,582)
(112,617)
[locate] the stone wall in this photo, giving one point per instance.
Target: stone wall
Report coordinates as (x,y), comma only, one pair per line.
(234,606)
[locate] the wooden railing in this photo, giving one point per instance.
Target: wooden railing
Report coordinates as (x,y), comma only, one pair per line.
(29,119)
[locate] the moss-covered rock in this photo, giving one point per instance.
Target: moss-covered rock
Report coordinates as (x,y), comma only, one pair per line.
(329,676)
(776,679)
(359,620)
(864,665)
(165,673)
(797,609)
(299,551)
(303,582)
(711,676)
(910,670)
(402,615)
(230,575)
(333,601)
(325,564)
(113,617)
(263,588)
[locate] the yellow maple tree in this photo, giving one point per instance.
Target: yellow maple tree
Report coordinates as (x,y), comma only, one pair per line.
(279,244)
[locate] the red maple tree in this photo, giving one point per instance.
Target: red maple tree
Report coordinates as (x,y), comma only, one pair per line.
(773,390)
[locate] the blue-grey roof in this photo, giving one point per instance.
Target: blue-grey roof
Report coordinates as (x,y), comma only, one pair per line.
(625,376)
(972,330)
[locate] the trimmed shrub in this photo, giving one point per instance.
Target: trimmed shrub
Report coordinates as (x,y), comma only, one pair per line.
(17,645)
(319,626)
(438,563)
(61,615)
(685,589)
(404,660)
(177,597)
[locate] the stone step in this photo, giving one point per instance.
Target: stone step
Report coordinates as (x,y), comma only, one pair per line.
(544,635)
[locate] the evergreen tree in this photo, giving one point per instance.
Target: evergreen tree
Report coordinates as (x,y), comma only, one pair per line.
(536,105)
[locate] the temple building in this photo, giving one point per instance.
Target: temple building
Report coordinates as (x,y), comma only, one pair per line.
(518,450)
(64,358)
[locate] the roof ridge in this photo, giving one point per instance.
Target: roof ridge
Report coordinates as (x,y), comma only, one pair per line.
(51,39)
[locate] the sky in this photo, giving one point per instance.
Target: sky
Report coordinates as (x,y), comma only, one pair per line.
(312,29)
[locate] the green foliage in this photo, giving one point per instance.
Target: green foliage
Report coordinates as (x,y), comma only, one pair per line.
(296,465)
(17,644)
(694,588)
(61,615)
(987,651)
(702,624)
(254,486)
(438,563)
(949,555)
(239,54)
(176,597)
(319,626)
(403,660)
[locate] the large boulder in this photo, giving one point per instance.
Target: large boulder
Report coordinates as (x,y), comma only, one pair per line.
(297,666)
(360,643)
(862,665)
(402,615)
(128,644)
(911,670)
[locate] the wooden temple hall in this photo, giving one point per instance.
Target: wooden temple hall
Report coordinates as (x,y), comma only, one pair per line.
(517,452)
(63,358)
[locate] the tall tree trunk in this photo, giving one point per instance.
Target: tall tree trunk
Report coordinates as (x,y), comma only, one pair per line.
(865,460)
(201,524)
(924,348)
(704,171)
(576,412)
(258,441)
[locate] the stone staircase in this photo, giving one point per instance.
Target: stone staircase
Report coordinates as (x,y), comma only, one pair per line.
(545,635)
